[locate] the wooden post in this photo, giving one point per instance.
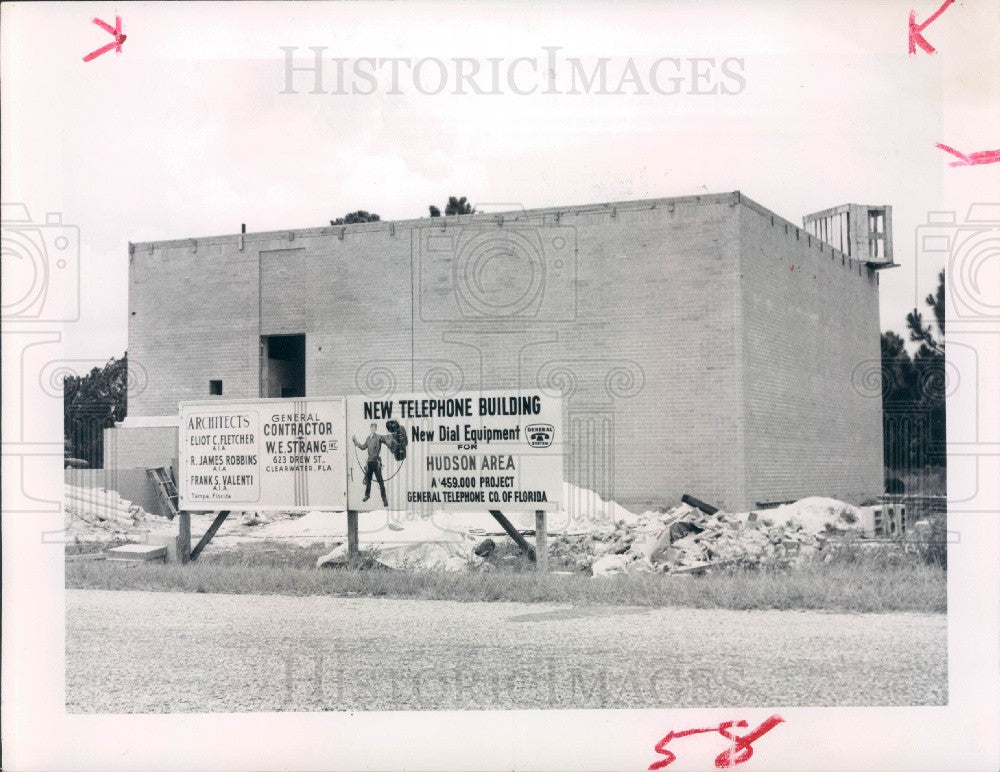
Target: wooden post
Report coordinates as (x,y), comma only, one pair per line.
(352,535)
(541,542)
(207,536)
(508,526)
(184,536)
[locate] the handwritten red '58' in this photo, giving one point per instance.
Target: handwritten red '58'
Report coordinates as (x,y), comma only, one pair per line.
(739,751)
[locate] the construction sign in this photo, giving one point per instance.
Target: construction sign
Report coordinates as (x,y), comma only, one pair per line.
(286,454)
(471,452)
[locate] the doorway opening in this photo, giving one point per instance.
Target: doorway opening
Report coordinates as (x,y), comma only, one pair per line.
(282,366)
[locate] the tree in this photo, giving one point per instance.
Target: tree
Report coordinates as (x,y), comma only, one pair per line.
(92,403)
(899,381)
(924,335)
(930,373)
(355,217)
(458,206)
(913,389)
(454,206)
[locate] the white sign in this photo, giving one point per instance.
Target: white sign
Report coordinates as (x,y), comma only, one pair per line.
(469,452)
(284,454)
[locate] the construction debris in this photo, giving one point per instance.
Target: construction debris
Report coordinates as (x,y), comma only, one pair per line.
(336,557)
(102,508)
(686,539)
(255,518)
(415,556)
(708,509)
(587,534)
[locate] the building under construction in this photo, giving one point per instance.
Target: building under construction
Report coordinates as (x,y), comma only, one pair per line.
(701,344)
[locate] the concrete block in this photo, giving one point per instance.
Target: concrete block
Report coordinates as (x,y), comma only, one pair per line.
(165,540)
(137,552)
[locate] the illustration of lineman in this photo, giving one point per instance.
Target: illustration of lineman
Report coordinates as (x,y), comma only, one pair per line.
(373,444)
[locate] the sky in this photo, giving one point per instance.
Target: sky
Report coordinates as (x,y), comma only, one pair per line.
(186,133)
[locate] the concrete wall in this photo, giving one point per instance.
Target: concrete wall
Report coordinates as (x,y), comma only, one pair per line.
(640,323)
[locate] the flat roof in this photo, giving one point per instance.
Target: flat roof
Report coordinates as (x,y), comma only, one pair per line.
(513,215)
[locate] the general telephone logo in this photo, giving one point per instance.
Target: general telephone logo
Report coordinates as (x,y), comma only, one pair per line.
(539,435)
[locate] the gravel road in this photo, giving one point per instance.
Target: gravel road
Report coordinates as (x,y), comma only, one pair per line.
(138,652)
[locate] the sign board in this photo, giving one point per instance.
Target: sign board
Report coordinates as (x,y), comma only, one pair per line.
(283,454)
(468,452)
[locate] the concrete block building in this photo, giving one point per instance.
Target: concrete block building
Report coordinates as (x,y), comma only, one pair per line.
(701,344)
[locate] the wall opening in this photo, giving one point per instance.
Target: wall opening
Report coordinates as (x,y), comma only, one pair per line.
(876,234)
(282,366)
(215,388)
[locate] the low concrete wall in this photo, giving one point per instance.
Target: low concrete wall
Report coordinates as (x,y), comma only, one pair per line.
(131,484)
(143,446)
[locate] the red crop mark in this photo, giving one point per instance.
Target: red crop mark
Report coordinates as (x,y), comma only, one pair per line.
(116,31)
(737,753)
(972,159)
(916,38)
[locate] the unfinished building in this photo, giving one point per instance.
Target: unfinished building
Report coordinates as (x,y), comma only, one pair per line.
(701,344)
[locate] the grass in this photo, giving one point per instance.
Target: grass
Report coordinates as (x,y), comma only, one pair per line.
(853,581)
(81,547)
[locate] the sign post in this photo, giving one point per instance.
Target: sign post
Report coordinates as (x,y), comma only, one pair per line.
(183,536)
(207,536)
(541,542)
(513,533)
(352,536)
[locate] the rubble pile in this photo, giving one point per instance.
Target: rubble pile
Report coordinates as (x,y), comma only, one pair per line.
(687,540)
(587,534)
